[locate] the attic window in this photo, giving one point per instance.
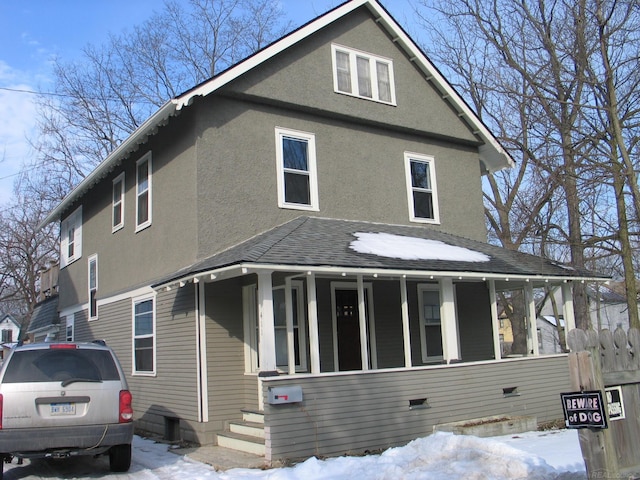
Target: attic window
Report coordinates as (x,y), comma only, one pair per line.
(363,75)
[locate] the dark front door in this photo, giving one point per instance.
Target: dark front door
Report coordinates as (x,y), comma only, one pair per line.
(348,330)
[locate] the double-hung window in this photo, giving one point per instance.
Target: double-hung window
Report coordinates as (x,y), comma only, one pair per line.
(363,75)
(70,327)
(430,305)
(118,203)
(71,238)
(93,286)
(296,165)
(143,192)
(144,326)
(421,188)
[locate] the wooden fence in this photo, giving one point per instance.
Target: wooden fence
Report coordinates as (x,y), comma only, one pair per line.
(615,362)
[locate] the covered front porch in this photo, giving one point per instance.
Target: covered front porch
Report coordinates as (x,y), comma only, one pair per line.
(378,345)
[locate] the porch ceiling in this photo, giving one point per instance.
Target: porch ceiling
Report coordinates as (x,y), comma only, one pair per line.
(326,244)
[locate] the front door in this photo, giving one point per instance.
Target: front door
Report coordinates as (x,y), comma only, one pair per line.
(348,330)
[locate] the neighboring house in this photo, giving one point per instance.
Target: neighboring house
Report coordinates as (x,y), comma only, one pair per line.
(300,242)
(44,324)
(10,330)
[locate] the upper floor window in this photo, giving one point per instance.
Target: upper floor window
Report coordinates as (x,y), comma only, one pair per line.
(93,286)
(118,203)
(363,75)
(71,238)
(144,327)
(7,336)
(421,188)
(296,162)
(143,192)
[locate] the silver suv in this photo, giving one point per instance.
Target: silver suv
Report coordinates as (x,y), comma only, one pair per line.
(63,399)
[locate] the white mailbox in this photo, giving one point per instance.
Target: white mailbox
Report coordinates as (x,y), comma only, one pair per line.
(278,395)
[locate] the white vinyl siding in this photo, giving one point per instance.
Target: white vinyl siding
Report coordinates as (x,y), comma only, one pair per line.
(421,188)
(71,238)
(296,168)
(363,75)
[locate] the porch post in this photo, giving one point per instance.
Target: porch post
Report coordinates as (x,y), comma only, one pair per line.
(495,321)
(448,322)
(406,334)
(267,330)
(312,314)
(362,317)
(201,348)
(531,316)
(567,308)
(288,301)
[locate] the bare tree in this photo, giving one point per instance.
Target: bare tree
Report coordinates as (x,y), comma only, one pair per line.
(535,61)
(100,99)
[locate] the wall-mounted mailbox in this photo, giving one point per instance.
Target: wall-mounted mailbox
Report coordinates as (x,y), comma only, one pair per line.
(278,395)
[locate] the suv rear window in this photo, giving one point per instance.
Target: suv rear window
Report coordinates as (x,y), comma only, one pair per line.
(59,365)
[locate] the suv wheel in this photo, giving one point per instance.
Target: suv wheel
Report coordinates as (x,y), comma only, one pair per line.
(119,458)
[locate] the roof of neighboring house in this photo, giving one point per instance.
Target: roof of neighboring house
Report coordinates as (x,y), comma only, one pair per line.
(493,155)
(11,318)
(45,315)
(320,242)
(608,293)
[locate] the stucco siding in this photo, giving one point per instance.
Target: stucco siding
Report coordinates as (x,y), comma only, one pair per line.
(353,413)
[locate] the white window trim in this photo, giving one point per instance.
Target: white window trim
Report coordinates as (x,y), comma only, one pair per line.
(134,302)
(75,220)
(313,176)
(430,161)
(120,203)
(353,54)
(91,259)
(70,323)
(429,287)
(147,223)
(371,324)
(250,309)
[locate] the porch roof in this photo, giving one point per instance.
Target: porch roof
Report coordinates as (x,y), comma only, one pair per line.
(321,243)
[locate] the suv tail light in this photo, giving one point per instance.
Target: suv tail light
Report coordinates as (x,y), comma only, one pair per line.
(1,405)
(125,409)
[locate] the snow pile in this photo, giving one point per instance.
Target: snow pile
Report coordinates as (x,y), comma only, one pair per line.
(411,248)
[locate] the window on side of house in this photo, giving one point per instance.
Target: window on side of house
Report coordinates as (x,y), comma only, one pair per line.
(92,276)
(280,325)
(296,164)
(421,188)
(144,326)
(7,336)
(430,304)
(71,238)
(70,328)
(118,203)
(363,75)
(143,192)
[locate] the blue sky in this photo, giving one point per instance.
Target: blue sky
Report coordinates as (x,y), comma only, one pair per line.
(32,31)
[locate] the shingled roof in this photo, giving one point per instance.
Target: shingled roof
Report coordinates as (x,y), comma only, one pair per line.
(308,242)
(45,315)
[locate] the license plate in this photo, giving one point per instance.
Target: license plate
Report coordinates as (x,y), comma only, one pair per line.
(63,409)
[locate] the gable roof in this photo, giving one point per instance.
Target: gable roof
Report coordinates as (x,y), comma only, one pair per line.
(11,318)
(324,244)
(492,154)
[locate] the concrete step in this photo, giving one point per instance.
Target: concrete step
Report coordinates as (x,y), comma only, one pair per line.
(243,443)
(251,429)
(253,416)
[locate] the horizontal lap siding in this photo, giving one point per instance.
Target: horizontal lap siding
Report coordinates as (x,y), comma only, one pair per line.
(354,413)
(172,391)
(225,353)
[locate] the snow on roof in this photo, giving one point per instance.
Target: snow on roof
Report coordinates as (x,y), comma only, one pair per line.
(412,248)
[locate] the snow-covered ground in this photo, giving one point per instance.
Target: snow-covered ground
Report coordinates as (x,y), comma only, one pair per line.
(546,455)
